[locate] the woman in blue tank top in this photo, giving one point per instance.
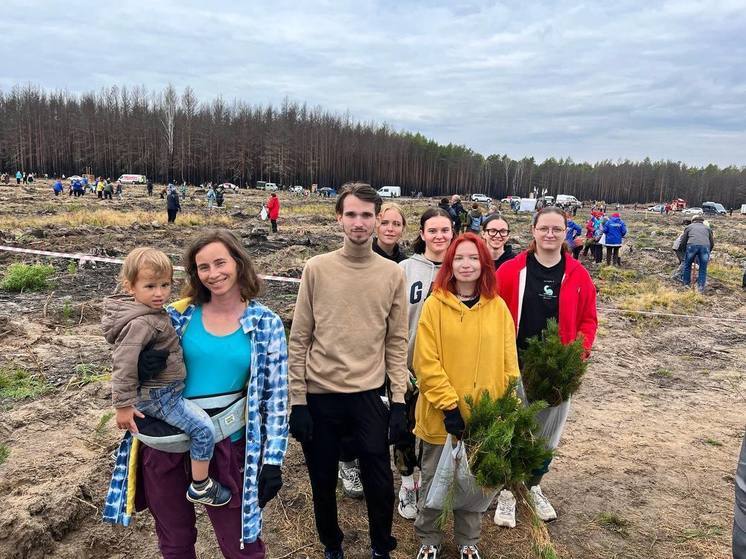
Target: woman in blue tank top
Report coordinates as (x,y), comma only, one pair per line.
(231,343)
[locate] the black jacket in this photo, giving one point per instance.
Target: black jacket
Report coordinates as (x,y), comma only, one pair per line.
(172,201)
(397,257)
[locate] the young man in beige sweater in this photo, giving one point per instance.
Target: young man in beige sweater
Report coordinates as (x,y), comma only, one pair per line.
(349,331)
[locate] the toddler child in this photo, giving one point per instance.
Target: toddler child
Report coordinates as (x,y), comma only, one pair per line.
(138,320)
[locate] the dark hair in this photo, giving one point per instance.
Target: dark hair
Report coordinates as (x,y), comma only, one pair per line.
(444,201)
(248,280)
(543,211)
(487,283)
(492,217)
(360,190)
(418,245)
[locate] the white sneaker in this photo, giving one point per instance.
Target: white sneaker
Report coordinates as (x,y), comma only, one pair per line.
(428,552)
(544,509)
(407,502)
(468,552)
(505,511)
(351,481)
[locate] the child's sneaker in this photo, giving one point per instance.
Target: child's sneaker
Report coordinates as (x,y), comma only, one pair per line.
(468,552)
(429,552)
(212,494)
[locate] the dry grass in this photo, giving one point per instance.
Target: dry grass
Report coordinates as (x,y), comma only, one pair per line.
(728,275)
(654,297)
(109,218)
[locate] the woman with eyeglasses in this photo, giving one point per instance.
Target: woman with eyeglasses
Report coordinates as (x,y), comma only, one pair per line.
(496,232)
(541,283)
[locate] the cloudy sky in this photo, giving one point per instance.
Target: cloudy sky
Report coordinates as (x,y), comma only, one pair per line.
(589,80)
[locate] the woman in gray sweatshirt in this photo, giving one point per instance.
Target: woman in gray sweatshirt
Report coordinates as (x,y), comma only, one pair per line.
(436,233)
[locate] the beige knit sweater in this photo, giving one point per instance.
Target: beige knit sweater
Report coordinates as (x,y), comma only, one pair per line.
(350,325)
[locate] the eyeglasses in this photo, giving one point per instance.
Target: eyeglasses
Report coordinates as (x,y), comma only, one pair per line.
(555,230)
(495,232)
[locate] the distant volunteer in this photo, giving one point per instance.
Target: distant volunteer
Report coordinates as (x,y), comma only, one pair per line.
(614,232)
(435,236)
(465,345)
(496,234)
(541,283)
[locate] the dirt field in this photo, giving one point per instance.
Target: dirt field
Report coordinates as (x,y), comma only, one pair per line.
(645,469)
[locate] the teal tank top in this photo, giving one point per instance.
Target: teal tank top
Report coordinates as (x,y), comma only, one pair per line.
(215,364)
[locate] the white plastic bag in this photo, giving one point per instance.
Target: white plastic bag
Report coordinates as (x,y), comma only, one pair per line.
(453,465)
(263,214)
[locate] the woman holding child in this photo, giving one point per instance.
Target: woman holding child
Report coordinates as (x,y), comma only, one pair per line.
(231,344)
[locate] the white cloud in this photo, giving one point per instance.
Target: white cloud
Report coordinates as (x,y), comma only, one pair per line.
(589,80)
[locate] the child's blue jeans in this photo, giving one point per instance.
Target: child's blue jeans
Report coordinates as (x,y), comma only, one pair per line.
(168,404)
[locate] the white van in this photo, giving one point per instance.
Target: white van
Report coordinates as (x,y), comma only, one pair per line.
(270,186)
(389,191)
(568,201)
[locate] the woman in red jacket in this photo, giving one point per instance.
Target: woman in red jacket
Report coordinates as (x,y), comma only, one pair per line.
(273,209)
(542,283)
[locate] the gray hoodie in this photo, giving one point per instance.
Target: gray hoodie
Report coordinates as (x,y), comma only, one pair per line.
(698,234)
(131,326)
(420,274)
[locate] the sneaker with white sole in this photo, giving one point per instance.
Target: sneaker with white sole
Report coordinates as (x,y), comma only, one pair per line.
(505,511)
(468,552)
(351,483)
(212,494)
(428,552)
(544,509)
(407,502)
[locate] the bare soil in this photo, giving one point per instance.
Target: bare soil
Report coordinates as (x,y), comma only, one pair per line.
(645,468)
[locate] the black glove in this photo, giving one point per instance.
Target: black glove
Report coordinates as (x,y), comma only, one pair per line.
(151,362)
(454,422)
(301,424)
(398,423)
(270,481)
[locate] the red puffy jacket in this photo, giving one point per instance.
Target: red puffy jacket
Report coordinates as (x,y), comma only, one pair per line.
(577,299)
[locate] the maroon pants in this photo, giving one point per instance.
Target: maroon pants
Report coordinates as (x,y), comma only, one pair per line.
(162,485)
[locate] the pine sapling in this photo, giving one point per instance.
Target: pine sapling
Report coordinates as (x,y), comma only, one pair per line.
(551,370)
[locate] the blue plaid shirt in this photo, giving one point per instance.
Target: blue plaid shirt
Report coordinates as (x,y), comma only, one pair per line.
(266,412)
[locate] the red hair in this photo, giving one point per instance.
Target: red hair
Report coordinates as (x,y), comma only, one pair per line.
(486,284)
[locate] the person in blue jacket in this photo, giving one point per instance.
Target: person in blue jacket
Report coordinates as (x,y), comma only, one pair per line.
(57,187)
(614,232)
(574,232)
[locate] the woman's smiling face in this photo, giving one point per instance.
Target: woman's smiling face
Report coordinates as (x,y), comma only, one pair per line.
(216,268)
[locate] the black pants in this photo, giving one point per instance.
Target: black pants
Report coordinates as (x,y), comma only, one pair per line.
(576,251)
(613,252)
(107,195)
(598,252)
(172,215)
(362,419)
(274,225)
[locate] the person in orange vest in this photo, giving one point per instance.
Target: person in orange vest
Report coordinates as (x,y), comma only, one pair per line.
(273,209)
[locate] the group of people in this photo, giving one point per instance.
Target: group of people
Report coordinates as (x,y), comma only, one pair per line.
(382,351)
(600,231)
(79,186)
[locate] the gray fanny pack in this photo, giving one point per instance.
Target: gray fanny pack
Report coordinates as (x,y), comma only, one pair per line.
(227,411)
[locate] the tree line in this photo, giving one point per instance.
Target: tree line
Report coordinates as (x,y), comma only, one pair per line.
(172,136)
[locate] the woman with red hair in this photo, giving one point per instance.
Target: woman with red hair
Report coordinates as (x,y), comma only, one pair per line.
(465,345)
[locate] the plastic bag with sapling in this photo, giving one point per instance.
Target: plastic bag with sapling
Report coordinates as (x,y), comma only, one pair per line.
(454,487)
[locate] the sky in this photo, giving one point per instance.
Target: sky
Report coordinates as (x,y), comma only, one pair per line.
(588,80)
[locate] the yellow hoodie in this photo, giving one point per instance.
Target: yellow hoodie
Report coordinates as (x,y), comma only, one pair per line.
(459,351)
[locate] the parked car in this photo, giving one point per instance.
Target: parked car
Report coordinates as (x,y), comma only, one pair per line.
(389,191)
(568,201)
(297,189)
(692,211)
(327,192)
(509,199)
(713,208)
(657,208)
(229,186)
(132,179)
(481,198)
